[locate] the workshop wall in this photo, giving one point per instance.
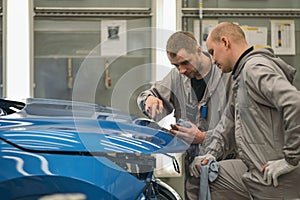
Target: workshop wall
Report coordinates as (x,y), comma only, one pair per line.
(256,13)
(71,46)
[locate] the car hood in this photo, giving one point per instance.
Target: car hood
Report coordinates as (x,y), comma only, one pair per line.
(57,126)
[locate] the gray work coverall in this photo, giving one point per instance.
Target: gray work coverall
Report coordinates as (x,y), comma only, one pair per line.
(265,113)
(176,92)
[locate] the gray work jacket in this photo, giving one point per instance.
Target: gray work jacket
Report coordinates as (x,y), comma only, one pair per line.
(176,92)
(264,113)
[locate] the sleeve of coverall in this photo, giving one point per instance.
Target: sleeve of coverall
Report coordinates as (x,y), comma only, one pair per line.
(273,87)
(162,90)
(220,141)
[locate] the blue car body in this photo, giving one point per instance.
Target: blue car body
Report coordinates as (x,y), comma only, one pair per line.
(62,147)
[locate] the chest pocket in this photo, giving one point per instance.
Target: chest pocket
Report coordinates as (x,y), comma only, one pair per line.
(248,116)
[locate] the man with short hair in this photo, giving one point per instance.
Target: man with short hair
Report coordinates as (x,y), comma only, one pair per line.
(264,113)
(196,90)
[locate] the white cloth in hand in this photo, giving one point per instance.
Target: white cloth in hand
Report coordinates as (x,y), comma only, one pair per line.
(197,162)
(276,168)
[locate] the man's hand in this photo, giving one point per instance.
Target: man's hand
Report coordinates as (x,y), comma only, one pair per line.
(191,135)
(199,160)
(153,106)
(273,169)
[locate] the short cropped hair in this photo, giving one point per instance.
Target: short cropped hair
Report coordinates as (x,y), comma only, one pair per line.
(228,29)
(181,40)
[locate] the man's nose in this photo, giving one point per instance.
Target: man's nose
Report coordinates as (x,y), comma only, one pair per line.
(181,69)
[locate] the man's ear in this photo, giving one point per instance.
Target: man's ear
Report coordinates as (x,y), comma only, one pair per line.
(225,41)
(199,50)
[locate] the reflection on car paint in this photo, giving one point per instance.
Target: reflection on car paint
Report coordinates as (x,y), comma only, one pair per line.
(46,149)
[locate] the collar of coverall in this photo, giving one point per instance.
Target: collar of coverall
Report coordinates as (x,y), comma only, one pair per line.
(237,69)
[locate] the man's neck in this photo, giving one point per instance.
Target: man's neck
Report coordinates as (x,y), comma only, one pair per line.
(206,67)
